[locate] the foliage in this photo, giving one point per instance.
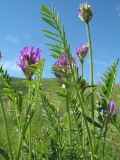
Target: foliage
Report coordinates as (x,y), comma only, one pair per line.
(67,118)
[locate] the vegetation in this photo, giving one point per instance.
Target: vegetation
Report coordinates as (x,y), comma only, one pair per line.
(66,118)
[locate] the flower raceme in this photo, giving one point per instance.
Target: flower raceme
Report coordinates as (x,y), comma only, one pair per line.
(81,51)
(111,106)
(85,12)
(28,57)
(61,67)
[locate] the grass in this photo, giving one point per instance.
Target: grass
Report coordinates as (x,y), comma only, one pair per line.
(39,125)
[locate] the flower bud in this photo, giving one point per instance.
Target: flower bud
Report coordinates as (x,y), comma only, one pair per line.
(85,12)
(111,107)
(81,51)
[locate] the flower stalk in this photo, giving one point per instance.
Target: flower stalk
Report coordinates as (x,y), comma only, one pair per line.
(91,80)
(29,127)
(82,69)
(90,49)
(68,114)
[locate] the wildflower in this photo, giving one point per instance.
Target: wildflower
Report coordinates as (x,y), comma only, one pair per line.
(61,67)
(85,12)
(81,51)
(111,107)
(28,57)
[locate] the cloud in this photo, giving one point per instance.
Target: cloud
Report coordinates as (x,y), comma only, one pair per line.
(117,8)
(101,62)
(11,66)
(12,39)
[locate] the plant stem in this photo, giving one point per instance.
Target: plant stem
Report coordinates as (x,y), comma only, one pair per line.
(67,49)
(26,124)
(78,130)
(91,79)
(68,113)
(104,142)
(59,134)
(82,69)
(90,48)
(19,147)
(29,127)
(7,132)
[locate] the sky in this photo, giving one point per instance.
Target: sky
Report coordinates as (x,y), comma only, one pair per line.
(21,25)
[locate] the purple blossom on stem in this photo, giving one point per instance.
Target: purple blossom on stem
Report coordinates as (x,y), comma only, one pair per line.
(28,57)
(61,67)
(81,51)
(85,12)
(111,106)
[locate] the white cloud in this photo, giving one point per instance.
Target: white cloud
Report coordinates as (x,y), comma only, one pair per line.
(100,62)
(12,39)
(11,66)
(117,8)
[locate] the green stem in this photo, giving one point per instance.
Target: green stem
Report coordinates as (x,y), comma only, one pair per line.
(86,124)
(25,129)
(19,147)
(104,142)
(68,113)
(67,49)
(78,130)
(7,132)
(82,69)
(30,142)
(29,128)
(91,79)
(59,134)
(90,48)
(26,124)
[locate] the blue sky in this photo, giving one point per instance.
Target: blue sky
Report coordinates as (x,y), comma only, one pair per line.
(21,25)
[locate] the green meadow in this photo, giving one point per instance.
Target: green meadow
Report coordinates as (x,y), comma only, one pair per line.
(40,123)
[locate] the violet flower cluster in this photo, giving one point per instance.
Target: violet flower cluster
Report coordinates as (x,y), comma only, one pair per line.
(111,106)
(85,12)
(28,57)
(61,67)
(81,51)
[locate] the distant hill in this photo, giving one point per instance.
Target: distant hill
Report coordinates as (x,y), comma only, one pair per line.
(49,84)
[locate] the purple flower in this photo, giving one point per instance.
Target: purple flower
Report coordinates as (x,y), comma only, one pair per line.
(85,12)
(111,106)
(28,57)
(81,51)
(61,67)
